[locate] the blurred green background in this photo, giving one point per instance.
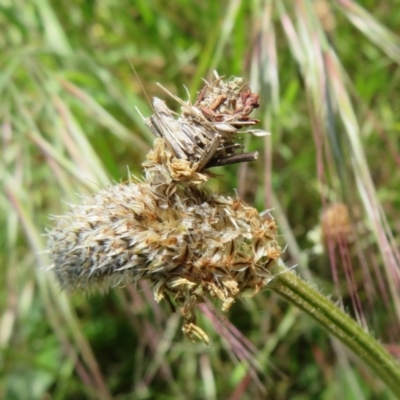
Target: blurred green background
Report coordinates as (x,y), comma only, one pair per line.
(328,77)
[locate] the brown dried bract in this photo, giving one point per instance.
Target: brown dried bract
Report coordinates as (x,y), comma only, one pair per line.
(205,133)
(228,102)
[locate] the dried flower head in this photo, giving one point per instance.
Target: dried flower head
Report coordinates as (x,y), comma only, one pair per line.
(336,224)
(187,241)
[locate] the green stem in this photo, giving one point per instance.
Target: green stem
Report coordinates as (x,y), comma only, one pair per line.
(334,320)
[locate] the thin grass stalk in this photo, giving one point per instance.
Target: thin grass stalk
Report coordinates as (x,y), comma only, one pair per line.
(296,291)
(377,33)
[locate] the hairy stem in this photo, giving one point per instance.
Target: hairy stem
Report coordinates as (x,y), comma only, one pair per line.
(295,290)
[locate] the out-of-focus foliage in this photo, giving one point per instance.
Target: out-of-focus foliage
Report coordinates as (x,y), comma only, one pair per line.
(328,76)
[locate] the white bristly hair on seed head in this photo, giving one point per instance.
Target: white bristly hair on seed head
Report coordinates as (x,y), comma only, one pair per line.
(188,242)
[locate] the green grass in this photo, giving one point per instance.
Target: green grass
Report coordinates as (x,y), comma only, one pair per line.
(328,76)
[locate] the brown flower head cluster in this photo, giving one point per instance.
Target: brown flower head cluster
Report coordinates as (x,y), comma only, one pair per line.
(336,224)
(188,242)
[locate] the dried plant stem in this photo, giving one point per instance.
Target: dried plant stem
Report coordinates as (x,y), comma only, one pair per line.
(295,290)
